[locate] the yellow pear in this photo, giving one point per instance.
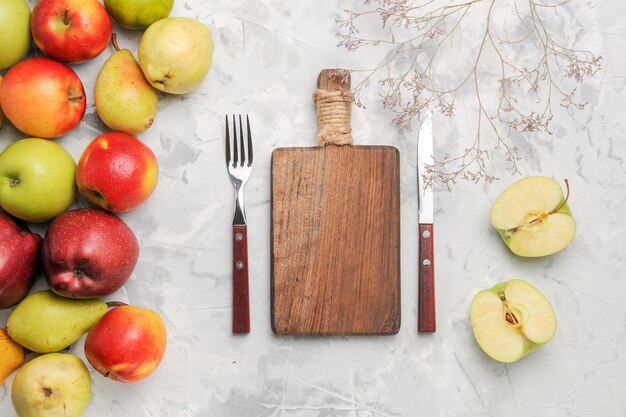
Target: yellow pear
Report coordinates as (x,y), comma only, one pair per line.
(125,101)
(11,355)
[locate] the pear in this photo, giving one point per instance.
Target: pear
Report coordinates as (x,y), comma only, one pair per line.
(11,355)
(56,384)
(45,322)
(125,101)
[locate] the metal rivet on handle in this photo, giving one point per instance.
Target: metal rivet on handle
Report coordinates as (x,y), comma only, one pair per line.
(238,236)
(426,262)
(426,234)
(239,265)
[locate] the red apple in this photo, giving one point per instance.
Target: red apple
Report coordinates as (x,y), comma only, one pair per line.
(88,253)
(71,30)
(127,343)
(117,172)
(19,258)
(42,98)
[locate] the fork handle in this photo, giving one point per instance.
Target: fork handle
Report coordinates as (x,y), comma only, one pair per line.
(241,298)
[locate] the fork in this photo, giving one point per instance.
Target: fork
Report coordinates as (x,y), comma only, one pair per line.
(239,164)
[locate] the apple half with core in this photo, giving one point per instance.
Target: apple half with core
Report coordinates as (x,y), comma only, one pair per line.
(88,253)
(127,343)
(175,54)
(117,172)
(511,319)
(533,218)
(15,38)
(36,179)
(71,30)
(55,384)
(43,98)
(19,259)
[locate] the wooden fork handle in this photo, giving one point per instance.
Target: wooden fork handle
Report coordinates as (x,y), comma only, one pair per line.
(241,297)
(426,321)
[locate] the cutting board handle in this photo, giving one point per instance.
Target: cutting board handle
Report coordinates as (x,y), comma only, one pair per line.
(334,107)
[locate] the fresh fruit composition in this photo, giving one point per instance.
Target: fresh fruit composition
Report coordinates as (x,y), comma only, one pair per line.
(45,322)
(533,218)
(12,355)
(19,259)
(43,98)
(125,101)
(175,54)
(15,37)
(88,253)
(71,30)
(138,14)
(36,179)
(117,172)
(511,319)
(127,344)
(56,384)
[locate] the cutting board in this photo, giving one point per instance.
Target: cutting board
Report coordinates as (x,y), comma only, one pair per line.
(335,236)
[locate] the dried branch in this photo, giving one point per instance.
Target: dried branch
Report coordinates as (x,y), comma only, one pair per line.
(417,37)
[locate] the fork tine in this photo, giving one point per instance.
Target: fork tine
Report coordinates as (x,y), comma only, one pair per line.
(241,143)
(235,151)
(227,140)
(249,141)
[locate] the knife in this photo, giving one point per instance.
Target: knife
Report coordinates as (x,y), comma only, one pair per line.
(426,321)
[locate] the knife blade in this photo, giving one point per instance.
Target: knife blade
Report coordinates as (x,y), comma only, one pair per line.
(426,321)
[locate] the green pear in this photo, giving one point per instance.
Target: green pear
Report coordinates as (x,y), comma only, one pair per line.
(175,54)
(138,14)
(56,384)
(125,101)
(45,322)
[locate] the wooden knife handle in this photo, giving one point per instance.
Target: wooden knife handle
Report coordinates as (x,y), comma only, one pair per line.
(426,321)
(241,297)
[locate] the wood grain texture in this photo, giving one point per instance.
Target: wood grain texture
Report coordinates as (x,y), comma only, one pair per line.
(335,240)
(241,292)
(426,320)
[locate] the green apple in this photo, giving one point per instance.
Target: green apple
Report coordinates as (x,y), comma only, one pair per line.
(56,384)
(533,218)
(1,114)
(138,14)
(175,54)
(511,319)
(36,179)
(15,37)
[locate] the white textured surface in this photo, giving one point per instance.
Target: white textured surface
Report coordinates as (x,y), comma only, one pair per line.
(267,57)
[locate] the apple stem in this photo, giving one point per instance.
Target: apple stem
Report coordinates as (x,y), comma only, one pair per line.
(114,41)
(560,206)
(111,304)
(66,17)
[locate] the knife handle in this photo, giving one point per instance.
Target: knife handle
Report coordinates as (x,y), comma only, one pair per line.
(241,297)
(426,321)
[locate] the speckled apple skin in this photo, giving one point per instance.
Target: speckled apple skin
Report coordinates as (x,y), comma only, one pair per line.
(88,253)
(117,172)
(19,259)
(127,343)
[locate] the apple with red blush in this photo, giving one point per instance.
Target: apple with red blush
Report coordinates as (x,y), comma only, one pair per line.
(127,343)
(71,30)
(88,253)
(19,259)
(42,97)
(117,172)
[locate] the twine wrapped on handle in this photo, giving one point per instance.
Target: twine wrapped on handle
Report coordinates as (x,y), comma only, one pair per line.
(333,115)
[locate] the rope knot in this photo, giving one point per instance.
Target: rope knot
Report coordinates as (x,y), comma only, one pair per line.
(333,115)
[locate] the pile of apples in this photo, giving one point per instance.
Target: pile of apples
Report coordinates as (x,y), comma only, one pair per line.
(86,253)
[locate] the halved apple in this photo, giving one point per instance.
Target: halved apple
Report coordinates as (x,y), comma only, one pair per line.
(533,218)
(511,319)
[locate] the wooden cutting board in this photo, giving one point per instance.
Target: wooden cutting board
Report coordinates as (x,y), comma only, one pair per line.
(335,236)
